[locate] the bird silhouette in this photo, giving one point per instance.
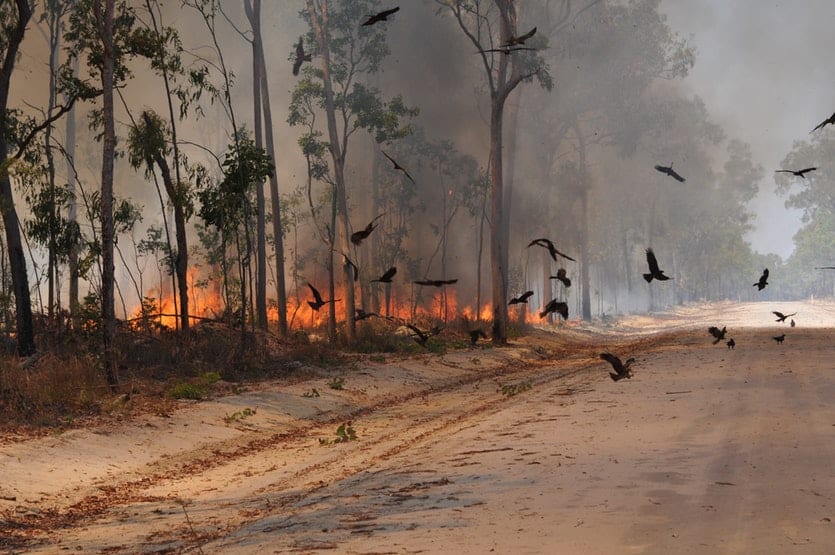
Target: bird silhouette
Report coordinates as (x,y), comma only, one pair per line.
(358,237)
(830,119)
(420,336)
(386,277)
(513,41)
(799,173)
(507,50)
(621,369)
(654,271)
(552,250)
(717,333)
(671,172)
(763,281)
(780,316)
(824,267)
(475,334)
(792,323)
(350,263)
(436,282)
(382,16)
(779,338)
(731,343)
(523,298)
(554,305)
(398,166)
(301,57)
(562,277)
(361,314)
(317,301)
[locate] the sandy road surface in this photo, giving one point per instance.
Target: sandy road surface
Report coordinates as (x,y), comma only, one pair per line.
(705,450)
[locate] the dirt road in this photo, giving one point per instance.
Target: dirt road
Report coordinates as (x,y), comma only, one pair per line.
(530,449)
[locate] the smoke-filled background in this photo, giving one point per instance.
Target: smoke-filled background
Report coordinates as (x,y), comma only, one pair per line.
(726,93)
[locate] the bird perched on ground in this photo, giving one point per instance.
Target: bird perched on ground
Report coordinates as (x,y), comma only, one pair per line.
(475,334)
(621,368)
(317,301)
(779,338)
(654,271)
(386,277)
(523,298)
(420,336)
(763,281)
(671,172)
(358,237)
(731,343)
(792,323)
(830,119)
(398,166)
(436,282)
(562,277)
(782,317)
(382,16)
(555,306)
(513,41)
(552,250)
(362,315)
(301,57)
(717,333)
(799,173)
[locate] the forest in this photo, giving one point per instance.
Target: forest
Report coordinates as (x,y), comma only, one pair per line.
(197,181)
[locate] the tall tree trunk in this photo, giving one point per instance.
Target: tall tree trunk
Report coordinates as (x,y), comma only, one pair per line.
(497,270)
(585,288)
(510,174)
(51,266)
(72,212)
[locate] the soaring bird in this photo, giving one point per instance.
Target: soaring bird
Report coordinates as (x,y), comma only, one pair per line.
(436,282)
(362,314)
(317,301)
(654,271)
(621,369)
(779,338)
(513,41)
(523,298)
(824,267)
(830,119)
(507,49)
(475,334)
(398,166)
(799,173)
(422,336)
(301,57)
(562,277)
(382,16)
(763,281)
(671,172)
(548,244)
(555,306)
(731,343)
(780,316)
(717,333)
(386,277)
(357,237)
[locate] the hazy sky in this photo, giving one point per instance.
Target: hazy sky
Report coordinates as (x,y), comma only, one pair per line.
(765,72)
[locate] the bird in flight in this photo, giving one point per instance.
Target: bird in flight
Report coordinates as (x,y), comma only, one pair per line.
(362,314)
(799,173)
(398,166)
(763,281)
(382,16)
(506,49)
(436,282)
(301,57)
(555,306)
(782,317)
(830,119)
(475,334)
(358,237)
(523,298)
(386,277)
(317,301)
(779,338)
(621,369)
(824,267)
(671,172)
(717,333)
(422,336)
(548,244)
(654,271)
(513,41)
(562,277)
(731,343)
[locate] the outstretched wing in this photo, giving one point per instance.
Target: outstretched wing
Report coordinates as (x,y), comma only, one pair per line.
(389,274)
(316,296)
(778,314)
(653,262)
(613,360)
(715,332)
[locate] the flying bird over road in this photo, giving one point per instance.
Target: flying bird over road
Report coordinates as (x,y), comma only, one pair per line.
(398,166)
(717,333)
(507,49)
(523,298)
(830,119)
(422,336)
(382,16)
(317,301)
(654,271)
(671,172)
(359,236)
(555,306)
(763,281)
(362,314)
(562,277)
(779,338)
(436,282)
(548,244)
(799,173)
(513,41)
(780,316)
(386,277)
(301,57)
(621,369)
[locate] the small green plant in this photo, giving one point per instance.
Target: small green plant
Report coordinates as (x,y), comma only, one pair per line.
(344,433)
(193,391)
(238,415)
(312,393)
(510,390)
(210,377)
(337,383)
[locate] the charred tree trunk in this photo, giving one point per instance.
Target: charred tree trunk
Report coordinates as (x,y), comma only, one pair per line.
(498,272)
